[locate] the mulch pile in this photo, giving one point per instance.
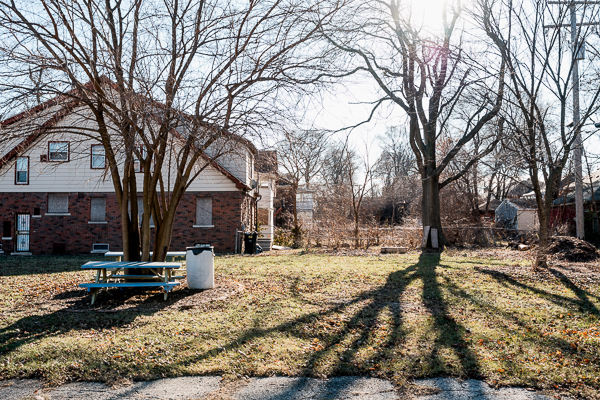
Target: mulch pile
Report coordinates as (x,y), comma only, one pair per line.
(572,249)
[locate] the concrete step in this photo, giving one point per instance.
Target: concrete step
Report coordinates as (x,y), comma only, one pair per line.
(265,243)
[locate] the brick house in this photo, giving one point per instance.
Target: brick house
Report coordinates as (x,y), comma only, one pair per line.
(56,196)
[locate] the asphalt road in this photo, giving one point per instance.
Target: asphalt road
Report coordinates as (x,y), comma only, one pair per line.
(274,388)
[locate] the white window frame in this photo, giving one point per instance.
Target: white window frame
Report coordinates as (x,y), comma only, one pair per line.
(98,153)
(56,152)
(103,251)
(19,168)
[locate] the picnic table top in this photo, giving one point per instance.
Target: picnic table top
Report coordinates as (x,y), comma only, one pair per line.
(120,253)
(129,264)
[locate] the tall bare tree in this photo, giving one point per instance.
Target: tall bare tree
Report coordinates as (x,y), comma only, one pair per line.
(169,85)
(541,63)
(428,75)
(396,168)
(301,156)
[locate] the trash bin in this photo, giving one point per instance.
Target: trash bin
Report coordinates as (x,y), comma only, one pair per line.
(250,242)
(200,261)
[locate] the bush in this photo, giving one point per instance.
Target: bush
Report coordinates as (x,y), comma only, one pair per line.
(283,237)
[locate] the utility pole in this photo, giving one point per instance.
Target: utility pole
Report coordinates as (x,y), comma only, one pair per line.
(577,47)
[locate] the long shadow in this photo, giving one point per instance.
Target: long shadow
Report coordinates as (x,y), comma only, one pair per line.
(582,295)
(583,302)
(36,265)
(371,306)
(113,309)
(537,338)
(365,311)
(450,334)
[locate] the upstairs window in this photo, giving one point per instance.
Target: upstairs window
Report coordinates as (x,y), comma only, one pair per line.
(98,157)
(58,151)
(22,171)
(58,203)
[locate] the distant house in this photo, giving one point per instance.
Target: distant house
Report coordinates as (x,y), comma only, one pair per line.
(266,168)
(56,195)
(563,211)
(304,200)
(519,214)
(305,205)
(491,208)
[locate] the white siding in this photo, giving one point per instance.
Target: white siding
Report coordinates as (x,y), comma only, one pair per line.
(77,174)
(236,164)
(266,189)
(527,220)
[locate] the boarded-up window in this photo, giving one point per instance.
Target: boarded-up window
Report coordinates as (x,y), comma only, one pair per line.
(58,203)
(6,229)
(204,211)
(98,209)
(141,213)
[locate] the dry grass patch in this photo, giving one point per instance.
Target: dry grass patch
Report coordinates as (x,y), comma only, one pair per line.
(401,317)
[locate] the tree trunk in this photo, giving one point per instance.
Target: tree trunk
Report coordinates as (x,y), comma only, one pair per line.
(296,230)
(431,208)
(356,230)
(541,260)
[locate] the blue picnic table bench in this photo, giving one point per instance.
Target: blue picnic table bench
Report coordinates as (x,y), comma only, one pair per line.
(170,254)
(111,274)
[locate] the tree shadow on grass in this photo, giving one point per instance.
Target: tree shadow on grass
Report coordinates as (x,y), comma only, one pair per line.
(35,265)
(113,309)
(546,341)
(582,300)
(366,312)
(582,295)
(359,332)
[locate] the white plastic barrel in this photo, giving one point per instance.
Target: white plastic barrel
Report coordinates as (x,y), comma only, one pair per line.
(200,262)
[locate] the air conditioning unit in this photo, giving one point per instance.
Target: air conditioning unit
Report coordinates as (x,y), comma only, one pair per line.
(100,248)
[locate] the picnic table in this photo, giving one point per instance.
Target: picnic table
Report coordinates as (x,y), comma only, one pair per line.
(119,254)
(109,272)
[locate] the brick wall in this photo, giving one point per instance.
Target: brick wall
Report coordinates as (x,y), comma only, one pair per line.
(73,233)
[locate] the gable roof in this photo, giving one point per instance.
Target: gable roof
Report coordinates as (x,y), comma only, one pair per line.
(589,182)
(520,204)
(64,108)
(494,203)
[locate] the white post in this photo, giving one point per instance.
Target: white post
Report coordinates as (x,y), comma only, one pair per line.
(579,218)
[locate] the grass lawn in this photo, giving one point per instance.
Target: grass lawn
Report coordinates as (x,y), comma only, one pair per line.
(461,314)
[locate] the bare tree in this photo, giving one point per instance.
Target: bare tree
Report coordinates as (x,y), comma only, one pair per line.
(396,168)
(427,75)
(349,179)
(301,156)
(541,63)
(169,85)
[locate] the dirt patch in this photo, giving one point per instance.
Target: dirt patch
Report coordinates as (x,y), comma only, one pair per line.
(131,299)
(568,248)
